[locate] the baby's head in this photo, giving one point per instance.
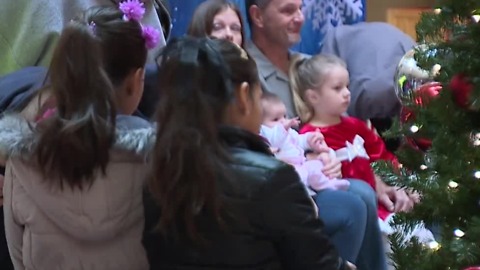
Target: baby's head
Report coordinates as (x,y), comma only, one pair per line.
(274,111)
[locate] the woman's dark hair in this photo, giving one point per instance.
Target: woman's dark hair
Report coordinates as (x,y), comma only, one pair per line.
(94,53)
(201,24)
(189,157)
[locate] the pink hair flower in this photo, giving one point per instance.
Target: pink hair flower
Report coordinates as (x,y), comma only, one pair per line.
(151,36)
(132,10)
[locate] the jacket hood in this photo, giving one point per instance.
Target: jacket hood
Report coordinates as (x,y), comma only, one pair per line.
(97,213)
(18,139)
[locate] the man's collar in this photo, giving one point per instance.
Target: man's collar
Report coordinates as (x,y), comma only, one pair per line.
(264,65)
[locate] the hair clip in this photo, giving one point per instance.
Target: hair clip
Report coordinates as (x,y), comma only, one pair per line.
(243,53)
(132,10)
(92,26)
(151,36)
(302,60)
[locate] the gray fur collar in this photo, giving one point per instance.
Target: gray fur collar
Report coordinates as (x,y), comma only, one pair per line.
(18,139)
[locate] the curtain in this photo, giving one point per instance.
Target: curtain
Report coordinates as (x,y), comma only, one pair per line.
(320,16)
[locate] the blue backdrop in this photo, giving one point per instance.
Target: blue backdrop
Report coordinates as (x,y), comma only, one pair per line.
(320,15)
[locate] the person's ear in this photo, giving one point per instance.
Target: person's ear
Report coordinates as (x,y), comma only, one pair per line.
(244,98)
(135,82)
(256,15)
(311,96)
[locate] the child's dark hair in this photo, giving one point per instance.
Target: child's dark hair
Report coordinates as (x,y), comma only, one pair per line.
(271,97)
(189,156)
(94,53)
(201,24)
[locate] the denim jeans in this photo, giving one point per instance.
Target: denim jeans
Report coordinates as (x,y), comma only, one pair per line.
(344,215)
(351,222)
(372,254)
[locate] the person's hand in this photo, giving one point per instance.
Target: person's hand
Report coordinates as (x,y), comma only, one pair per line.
(274,150)
(291,123)
(315,207)
(414,196)
(332,169)
(393,198)
(317,143)
(350,265)
(325,158)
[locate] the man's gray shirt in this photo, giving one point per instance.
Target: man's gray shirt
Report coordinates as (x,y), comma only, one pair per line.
(272,79)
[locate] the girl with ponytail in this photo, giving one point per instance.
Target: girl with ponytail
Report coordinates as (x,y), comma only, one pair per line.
(320,85)
(74,179)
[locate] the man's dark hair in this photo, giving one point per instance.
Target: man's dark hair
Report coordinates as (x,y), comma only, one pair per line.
(260,3)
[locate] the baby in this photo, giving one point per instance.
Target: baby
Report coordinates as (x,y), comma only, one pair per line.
(290,147)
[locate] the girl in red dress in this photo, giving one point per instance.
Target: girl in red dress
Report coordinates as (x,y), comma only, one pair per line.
(321,95)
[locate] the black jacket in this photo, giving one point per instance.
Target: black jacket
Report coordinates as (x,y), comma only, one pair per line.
(273,226)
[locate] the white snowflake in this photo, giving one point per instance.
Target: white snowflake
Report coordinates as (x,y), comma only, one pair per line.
(329,13)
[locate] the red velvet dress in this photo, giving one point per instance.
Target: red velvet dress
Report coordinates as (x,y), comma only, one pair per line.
(338,135)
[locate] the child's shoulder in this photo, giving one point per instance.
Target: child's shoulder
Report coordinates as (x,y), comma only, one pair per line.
(364,128)
(353,120)
(307,127)
(344,121)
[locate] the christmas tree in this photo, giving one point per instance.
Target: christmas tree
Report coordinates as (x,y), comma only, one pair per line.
(440,125)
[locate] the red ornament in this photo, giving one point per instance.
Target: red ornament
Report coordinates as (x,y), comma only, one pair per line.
(472,268)
(461,89)
(422,97)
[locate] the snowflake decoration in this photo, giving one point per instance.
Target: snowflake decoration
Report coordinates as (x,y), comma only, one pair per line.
(330,13)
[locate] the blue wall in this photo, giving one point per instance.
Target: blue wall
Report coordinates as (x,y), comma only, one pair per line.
(320,15)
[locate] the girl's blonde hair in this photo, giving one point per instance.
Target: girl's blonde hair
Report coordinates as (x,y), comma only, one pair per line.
(308,73)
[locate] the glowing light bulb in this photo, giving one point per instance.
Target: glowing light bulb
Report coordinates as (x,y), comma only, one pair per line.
(476,18)
(458,233)
(453,184)
(423,167)
(436,69)
(434,245)
(475,139)
(477,174)
(414,129)
(437,11)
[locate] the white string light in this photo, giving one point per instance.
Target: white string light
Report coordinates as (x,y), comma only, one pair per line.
(434,245)
(475,139)
(477,174)
(435,70)
(414,129)
(453,184)
(458,233)
(423,167)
